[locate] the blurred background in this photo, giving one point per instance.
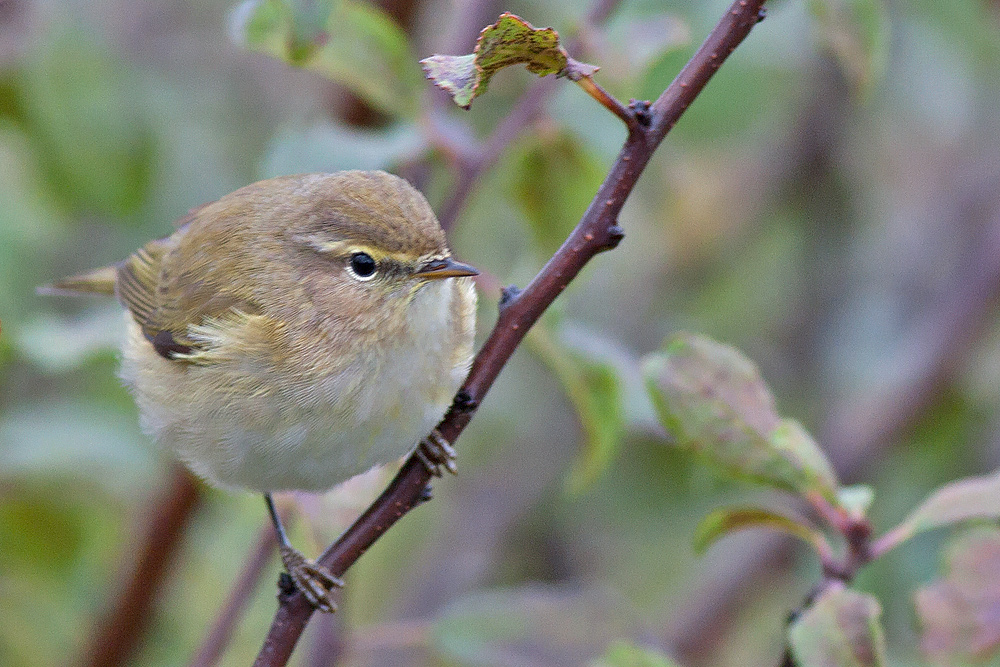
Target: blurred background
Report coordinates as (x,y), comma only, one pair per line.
(829,205)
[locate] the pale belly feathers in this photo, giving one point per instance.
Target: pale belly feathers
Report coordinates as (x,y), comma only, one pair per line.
(316,435)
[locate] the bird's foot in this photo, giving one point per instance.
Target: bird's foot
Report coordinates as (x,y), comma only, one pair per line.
(437,454)
(314,580)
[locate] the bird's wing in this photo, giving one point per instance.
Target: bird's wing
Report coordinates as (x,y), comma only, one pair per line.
(176,311)
(136,284)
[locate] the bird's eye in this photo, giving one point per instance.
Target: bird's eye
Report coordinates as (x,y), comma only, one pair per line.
(362,265)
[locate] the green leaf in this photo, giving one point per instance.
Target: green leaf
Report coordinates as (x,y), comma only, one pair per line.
(840,629)
(730,519)
(711,398)
(626,654)
(958,619)
(350,42)
(509,41)
(856,499)
(91,133)
(530,626)
(857,33)
(594,388)
(554,180)
(795,444)
(970,498)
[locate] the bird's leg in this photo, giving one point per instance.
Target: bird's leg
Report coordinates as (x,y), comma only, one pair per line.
(435,452)
(314,580)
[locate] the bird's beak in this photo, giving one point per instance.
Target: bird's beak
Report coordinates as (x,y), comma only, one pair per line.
(445,268)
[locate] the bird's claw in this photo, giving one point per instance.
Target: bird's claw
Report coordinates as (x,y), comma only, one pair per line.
(314,580)
(436,453)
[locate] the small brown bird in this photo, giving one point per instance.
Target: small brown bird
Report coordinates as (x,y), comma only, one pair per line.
(296,333)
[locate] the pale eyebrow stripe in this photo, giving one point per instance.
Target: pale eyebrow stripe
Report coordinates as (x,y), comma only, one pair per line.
(342,246)
(320,244)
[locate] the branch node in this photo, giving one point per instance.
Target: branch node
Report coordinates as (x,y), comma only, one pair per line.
(426,495)
(640,109)
(858,531)
(837,572)
(508,295)
(761,14)
(464,403)
(615,236)
(286,586)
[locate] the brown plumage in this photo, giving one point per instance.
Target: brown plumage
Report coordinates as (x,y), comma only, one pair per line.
(249,320)
(294,333)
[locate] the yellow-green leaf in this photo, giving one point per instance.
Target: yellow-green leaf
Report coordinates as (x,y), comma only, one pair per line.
(712,399)
(727,520)
(626,654)
(795,444)
(840,629)
(509,41)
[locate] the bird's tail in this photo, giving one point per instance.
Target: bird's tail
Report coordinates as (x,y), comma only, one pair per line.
(98,281)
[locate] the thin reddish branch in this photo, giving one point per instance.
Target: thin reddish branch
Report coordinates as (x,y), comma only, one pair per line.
(122,628)
(597,231)
(609,102)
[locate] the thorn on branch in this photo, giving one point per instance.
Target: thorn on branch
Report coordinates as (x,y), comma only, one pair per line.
(640,109)
(508,295)
(761,14)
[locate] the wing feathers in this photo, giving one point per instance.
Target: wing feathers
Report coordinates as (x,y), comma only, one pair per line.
(137,279)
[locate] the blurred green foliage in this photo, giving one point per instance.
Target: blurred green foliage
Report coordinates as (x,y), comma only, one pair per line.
(840,629)
(352,43)
(824,207)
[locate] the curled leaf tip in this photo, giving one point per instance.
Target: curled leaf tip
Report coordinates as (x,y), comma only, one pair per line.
(509,41)
(576,70)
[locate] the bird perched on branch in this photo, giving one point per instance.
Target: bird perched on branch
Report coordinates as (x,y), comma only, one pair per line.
(294,334)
